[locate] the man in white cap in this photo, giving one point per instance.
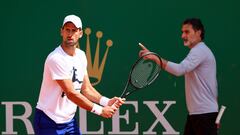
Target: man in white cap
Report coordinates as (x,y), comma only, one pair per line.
(66,85)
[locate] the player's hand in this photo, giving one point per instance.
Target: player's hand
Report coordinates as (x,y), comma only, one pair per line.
(150,57)
(108,111)
(143,51)
(116,101)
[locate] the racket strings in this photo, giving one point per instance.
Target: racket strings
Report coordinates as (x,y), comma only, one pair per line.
(144,72)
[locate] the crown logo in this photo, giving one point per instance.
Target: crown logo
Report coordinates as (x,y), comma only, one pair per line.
(95,68)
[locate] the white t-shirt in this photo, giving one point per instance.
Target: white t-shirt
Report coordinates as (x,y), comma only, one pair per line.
(58,66)
(199,69)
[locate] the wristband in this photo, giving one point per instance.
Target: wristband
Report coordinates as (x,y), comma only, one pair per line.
(104,101)
(97,109)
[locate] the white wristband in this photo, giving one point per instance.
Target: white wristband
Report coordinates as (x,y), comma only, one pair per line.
(97,109)
(104,101)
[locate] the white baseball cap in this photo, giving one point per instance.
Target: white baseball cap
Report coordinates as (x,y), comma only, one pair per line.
(74,19)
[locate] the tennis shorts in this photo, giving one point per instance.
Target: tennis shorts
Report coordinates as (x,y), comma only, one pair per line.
(201,124)
(43,125)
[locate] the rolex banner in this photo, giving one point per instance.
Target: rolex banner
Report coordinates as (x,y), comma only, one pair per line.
(112,29)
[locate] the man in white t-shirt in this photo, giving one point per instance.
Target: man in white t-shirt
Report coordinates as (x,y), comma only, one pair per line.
(66,85)
(199,69)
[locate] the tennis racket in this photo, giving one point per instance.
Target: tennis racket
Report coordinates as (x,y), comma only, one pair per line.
(143,73)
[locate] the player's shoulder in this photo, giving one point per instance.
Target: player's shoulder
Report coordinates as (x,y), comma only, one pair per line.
(80,52)
(201,45)
(56,54)
(199,48)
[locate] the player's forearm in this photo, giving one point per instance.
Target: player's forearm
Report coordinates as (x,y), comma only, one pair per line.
(92,94)
(74,95)
(89,91)
(86,104)
(80,100)
(175,69)
(164,63)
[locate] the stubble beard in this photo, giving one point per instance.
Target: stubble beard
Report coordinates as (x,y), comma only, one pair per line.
(70,43)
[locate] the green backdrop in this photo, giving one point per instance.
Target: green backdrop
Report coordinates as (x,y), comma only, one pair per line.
(30,30)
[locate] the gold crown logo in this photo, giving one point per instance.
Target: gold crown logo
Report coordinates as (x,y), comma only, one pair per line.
(94,69)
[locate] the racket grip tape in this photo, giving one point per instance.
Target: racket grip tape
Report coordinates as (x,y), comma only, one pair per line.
(114,104)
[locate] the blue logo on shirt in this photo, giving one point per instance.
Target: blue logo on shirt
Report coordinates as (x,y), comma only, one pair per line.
(74,79)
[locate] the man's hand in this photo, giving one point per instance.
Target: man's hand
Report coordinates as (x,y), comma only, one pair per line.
(143,51)
(108,111)
(116,101)
(151,57)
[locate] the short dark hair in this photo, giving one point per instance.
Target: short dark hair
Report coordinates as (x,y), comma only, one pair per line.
(196,24)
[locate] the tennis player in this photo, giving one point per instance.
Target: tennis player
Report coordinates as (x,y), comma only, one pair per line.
(66,85)
(199,69)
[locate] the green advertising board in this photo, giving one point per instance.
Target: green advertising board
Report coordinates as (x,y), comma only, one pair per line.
(30,30)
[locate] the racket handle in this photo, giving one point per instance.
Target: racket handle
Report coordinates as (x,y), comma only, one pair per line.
(220,114)
(117,102)
(114,104)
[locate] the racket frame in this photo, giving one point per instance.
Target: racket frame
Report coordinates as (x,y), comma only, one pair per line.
(129,82)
